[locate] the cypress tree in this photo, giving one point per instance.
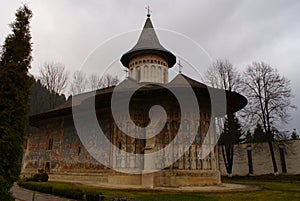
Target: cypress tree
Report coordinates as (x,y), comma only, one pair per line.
(14,92)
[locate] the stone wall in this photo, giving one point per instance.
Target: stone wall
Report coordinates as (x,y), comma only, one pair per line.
(287,154)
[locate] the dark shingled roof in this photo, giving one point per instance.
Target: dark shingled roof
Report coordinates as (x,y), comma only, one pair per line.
(235,101)
(148,43)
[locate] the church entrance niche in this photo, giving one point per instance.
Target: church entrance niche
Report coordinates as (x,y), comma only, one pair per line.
(47,166)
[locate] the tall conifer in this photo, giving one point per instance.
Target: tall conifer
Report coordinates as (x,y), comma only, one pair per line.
(14,92)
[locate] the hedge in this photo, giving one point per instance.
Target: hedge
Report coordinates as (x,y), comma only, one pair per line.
(62,189)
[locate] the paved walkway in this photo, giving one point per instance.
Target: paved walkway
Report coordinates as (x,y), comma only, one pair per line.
(22,194)
(224,187)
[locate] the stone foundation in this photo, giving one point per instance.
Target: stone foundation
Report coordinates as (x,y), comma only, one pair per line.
(165,178)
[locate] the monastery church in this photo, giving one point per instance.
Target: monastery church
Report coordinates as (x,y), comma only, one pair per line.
(69,149)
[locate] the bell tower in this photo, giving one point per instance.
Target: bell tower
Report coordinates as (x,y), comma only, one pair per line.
(148,60)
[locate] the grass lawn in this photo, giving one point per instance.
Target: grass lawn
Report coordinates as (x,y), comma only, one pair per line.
(278,189)
(272,190)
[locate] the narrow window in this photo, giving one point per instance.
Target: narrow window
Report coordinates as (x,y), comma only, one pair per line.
(165,76)
(47,166)
(79,150)
(50,144)
(186,125)
(136,145)
(138,74)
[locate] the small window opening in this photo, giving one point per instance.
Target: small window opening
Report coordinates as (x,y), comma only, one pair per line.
(79,150)
(50,144)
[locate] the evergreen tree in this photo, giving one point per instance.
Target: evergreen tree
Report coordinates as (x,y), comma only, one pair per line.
(259,135)
(14,86)
(231,135)
(294,135)
(40,99)
(222,74)
(248,137)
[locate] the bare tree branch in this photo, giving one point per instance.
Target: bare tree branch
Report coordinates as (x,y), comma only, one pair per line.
(221,74)
(269,95)
(54,77)
(79,83)
(269,101)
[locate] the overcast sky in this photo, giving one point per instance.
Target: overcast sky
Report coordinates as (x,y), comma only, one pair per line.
(67,31)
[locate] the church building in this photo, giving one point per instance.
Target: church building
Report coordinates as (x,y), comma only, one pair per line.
(141,144)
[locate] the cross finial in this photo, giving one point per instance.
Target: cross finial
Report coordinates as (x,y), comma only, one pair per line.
(126,71)
(148,11)
(180,67)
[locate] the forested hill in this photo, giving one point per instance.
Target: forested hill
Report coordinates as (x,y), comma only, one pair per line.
(41,100)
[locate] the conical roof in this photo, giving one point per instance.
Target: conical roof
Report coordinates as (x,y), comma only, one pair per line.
(148,43)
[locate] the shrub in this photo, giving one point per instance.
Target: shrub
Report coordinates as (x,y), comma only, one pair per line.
(5,194)
(73,193)
(92,194)
(62,189)
(44,188)
(43,177)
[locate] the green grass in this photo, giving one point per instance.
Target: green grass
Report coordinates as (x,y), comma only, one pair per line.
(175,197)
(272,189)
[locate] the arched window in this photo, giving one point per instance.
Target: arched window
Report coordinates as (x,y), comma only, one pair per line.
(50,144)
(138,77)
(152,71)
(186,125)
(79,150)
(145,73)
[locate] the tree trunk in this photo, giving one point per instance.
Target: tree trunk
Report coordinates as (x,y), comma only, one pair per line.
(224,157)
(227,152)
(273,158)
(229,159)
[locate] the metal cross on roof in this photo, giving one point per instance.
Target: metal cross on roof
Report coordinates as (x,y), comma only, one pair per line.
(180,67)
(126,71)
(148,10)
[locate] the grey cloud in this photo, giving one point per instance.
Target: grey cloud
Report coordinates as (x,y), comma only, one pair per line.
(242,31)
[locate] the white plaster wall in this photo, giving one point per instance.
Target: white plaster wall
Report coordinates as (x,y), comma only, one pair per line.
(150,73)
(261,158)
(153,68)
